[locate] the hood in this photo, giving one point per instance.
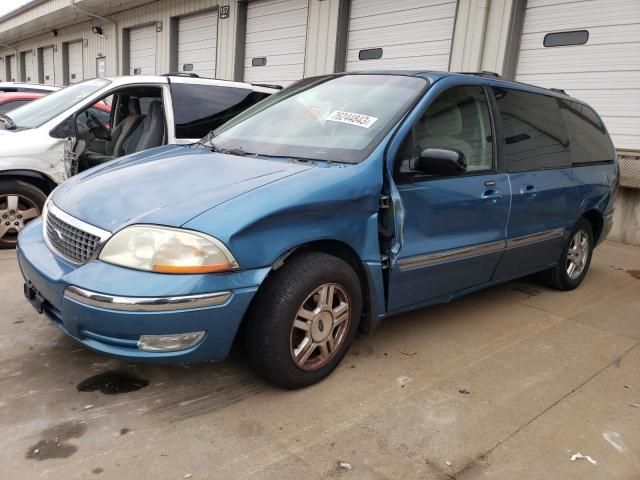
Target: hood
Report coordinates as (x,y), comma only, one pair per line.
(165,186)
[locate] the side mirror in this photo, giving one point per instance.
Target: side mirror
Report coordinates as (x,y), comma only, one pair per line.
(440,162)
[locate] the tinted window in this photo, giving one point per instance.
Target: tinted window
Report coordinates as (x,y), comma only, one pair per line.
(535,136)
(588,137)
(562,39)
(6,107)
(459,120)
(198,109)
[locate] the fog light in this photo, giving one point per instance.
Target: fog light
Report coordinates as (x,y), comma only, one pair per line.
(169,343)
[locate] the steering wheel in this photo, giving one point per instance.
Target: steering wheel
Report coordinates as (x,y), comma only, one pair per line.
(96,126)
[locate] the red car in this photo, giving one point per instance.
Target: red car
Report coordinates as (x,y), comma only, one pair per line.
(11,100)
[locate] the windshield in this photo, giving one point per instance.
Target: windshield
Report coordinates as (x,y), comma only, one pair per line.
(39,112)
(333,118)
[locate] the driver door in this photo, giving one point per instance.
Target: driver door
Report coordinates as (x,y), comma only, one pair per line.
(454,227)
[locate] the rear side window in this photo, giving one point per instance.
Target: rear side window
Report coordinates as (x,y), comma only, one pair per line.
(198,109)
(6,107)
(590,142)
(535,136)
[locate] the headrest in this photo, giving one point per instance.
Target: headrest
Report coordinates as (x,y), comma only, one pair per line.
(445,122)
(155,108)
(134,106)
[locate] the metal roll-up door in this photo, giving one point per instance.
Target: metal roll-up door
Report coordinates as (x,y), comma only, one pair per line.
(197,42)
(11,68)
(275,41)
(593,53)
(75,64)
(413,34)
(48,70)
(142,50)
(27,73)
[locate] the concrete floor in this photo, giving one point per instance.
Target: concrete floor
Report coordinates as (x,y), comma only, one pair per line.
(544,375)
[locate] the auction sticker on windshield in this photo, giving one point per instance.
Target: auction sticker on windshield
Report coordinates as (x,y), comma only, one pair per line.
(357,119)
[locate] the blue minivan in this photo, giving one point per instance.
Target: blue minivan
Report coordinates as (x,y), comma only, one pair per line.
(337,202)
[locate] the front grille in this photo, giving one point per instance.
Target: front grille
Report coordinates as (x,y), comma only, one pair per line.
(71,242)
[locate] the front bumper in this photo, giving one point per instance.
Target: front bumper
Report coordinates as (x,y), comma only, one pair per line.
(107,308)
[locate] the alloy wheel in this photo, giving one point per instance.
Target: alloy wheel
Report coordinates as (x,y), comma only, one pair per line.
(578,254)
(15,212)
(320,327)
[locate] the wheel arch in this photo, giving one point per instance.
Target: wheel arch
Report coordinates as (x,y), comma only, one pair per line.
(35,178)
(340,250)
(595,218)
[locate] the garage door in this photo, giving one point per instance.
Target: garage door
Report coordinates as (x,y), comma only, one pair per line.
(27,62)
(75,67)
(11,68)
(142,51)
(197,42)
(413,34)
(592,52)
(275,42)
(48,73)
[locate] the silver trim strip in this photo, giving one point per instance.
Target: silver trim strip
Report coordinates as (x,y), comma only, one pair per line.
(482,249)
(449,255)
(535,237)
(146,304)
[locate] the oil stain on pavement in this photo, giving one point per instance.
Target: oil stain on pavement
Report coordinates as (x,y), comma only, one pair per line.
(53,443)
(112,382)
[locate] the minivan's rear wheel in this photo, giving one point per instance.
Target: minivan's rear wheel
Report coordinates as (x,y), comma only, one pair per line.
(575,259)
(304,320)
(20,203)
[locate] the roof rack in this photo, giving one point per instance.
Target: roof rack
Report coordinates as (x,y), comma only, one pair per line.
(181,74)
(267,85)
(483,73)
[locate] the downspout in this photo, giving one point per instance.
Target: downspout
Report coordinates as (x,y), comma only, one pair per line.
(17,54)
(105,19)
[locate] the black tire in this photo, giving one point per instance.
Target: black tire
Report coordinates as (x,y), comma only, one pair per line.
(269,336)
(30,195)
(557,277)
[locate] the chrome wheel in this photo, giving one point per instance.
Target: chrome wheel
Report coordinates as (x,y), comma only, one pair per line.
(15,212)
(578,254)
(320,326)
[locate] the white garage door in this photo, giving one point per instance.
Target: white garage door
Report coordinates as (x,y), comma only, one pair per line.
(197,41)
(11,68)
(48,71)
(27,74)
(412,34)
(75,66)
(604,71)
(275,42)
(142,51)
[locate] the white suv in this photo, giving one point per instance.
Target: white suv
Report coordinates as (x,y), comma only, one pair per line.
(102,119)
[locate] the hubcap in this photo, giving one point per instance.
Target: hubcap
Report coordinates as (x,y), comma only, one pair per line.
(578,254)
(15,212)
(320,326)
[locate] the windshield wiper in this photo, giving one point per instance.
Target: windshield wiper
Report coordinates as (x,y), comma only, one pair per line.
(8,123)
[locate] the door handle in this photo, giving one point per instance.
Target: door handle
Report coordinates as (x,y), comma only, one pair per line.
(529,192)
(491,195)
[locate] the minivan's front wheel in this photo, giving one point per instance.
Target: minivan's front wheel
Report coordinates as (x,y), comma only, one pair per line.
(304,320)
(575,259)
(20,202)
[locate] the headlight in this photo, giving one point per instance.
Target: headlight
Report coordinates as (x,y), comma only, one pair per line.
(167,250)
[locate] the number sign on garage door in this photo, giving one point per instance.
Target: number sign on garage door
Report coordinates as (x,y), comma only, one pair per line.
(48,72)
(197,42)
(27,66)
(601,67)
(75,64)
(412,34)
(142,50)
(275,41)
